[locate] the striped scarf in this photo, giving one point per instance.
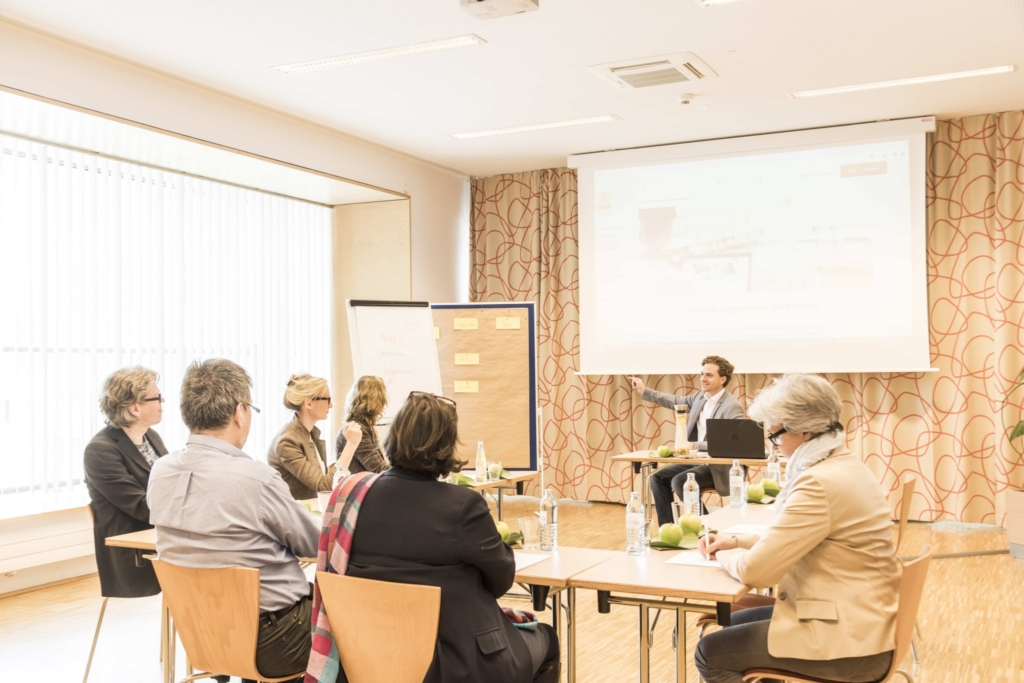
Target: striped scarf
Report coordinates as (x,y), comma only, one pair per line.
(339,525)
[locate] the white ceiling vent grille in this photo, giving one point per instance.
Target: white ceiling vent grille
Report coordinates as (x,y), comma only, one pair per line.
(651,72)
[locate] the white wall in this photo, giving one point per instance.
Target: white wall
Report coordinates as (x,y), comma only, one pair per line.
(44,66)
(48,67)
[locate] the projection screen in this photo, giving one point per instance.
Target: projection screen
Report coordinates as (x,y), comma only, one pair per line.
(791,252)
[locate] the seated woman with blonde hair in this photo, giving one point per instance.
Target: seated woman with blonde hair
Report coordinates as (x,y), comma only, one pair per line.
(297,452)
(830,550)
(364,405)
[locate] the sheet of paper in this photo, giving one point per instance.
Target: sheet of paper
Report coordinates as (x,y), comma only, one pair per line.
(437,333)
(467,359)
(758,529)
(693,558)
(524,560)
(467,324)
(507,323)
(466,387)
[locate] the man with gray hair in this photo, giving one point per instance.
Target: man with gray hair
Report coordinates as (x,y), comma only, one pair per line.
(214,506)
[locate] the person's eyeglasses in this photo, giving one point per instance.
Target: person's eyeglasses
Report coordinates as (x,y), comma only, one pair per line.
(323,398)
(158,397)
(439,398)
(252,407)
(774,438)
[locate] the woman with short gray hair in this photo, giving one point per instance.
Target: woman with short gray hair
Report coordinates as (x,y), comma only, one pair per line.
(830,551)
(117,462)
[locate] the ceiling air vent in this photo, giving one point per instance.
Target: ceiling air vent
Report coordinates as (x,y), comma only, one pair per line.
(654,71)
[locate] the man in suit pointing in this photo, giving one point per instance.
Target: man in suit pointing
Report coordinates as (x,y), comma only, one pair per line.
(711,402)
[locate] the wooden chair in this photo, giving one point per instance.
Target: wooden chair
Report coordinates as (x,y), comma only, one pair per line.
(908,497)
(216,613)
(384,631)
(915,571)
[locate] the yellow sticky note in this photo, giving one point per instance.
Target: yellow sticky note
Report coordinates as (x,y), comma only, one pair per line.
(467,359)
(507,323)
(437,333)
(467,324)
(467,387)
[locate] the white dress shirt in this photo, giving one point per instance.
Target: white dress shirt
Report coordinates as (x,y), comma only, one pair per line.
(710,403)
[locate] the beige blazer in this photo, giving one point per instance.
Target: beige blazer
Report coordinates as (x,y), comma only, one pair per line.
(297,454)
(832,555)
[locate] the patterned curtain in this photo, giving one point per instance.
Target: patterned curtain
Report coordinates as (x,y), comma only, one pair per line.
(947,428)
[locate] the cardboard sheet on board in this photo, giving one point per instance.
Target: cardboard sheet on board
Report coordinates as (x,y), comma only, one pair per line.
(499,412)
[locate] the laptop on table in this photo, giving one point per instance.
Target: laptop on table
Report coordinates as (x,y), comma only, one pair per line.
(736,439)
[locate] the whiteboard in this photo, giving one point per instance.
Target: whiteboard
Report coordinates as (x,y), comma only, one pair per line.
(394,341)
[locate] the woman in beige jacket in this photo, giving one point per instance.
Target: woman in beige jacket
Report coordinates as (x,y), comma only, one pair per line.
(297,452)
(830,551)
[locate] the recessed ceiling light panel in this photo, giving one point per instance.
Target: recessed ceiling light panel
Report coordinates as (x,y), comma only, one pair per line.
(905,81)
(535,126)
(386,53)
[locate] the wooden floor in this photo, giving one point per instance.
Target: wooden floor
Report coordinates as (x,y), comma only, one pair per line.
(972,619)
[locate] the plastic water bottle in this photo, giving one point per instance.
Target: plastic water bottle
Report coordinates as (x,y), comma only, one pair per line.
(737,486)
(691,496)
(635,525)
(548,521)
(774,470)
(481,463)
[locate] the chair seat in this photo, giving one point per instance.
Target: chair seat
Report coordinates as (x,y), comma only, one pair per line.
(746,602)
(788,676)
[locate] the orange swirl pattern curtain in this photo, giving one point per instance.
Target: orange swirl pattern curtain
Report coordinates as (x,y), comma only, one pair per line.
(948,427)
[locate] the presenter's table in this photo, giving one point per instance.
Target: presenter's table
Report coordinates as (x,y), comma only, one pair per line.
(516,481)
(645,462)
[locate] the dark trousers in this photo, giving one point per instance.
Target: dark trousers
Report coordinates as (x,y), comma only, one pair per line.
(670,477)
(544,653)
(724,655)
(284,642)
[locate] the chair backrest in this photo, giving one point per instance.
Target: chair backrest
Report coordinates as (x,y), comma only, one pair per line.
(915,571)
(908,498)
(216,613)
(384,631)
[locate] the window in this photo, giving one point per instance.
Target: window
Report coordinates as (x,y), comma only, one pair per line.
(105,263)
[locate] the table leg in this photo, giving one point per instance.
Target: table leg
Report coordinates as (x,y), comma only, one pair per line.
(680,646)
(645,487)
(169,644)
(645,645)
(570,638)
(501,497)
(556,607)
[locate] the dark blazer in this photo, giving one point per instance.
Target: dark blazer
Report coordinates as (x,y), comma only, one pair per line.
(369,456)
(117,476)
(728,408)
(415,529)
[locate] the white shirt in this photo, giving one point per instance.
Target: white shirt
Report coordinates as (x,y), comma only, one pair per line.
(710,403)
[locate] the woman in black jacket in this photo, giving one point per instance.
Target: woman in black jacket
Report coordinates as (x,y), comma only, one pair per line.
(117,465)
(413,528)
(364,405)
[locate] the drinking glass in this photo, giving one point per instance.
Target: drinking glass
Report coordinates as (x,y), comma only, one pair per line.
(529,527)
(649,527)
(677,511)
(494,470)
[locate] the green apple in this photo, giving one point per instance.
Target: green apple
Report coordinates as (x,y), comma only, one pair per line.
(670,533)
(771,487)
(755,492)
(502,529)
(664,451)
(690,524)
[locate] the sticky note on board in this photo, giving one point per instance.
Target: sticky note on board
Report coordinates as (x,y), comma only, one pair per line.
(507,323)
(467,387)
(467,359)
(467,324)
(437,333)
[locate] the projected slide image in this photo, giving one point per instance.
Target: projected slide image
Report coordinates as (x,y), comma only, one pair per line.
(823,229)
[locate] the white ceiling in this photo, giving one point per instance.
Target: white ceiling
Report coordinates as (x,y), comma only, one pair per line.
(534,67)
